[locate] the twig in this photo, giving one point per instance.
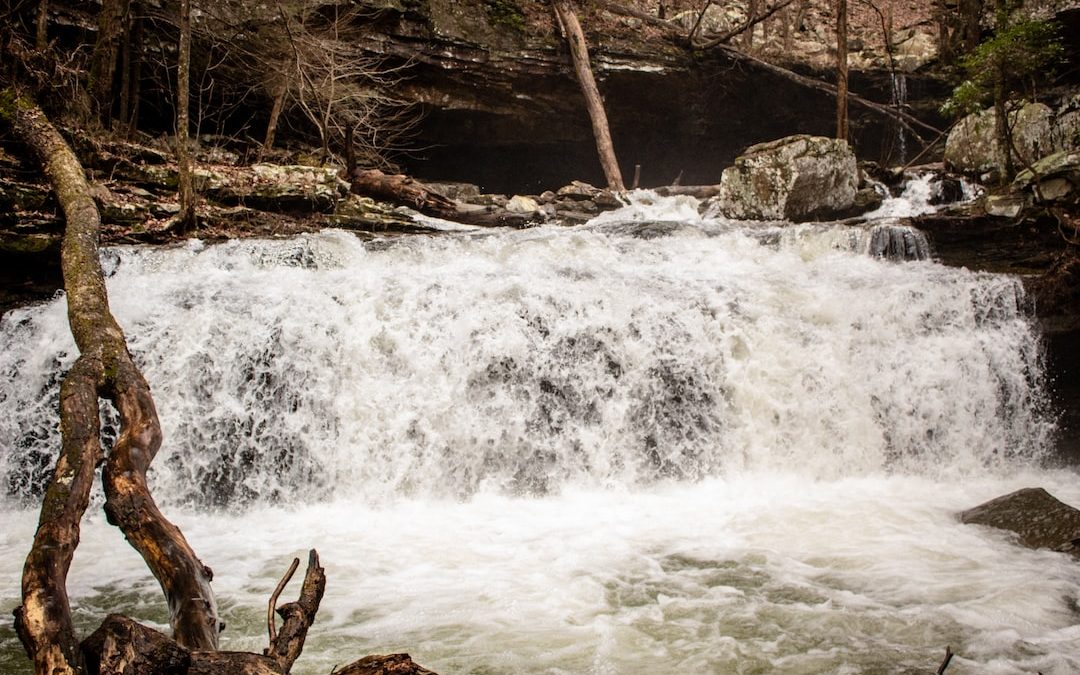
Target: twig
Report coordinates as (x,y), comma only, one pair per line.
(270,625)
(750,22)
(945,663)
(700,18)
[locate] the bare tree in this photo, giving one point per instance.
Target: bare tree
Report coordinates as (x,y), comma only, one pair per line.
(41,38)
(103,58)
(341,92)
(186,217)
(841,70)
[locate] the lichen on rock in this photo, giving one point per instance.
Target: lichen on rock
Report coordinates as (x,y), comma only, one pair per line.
(796,178)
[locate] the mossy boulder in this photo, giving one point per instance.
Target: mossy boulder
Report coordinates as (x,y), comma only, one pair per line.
(797,178)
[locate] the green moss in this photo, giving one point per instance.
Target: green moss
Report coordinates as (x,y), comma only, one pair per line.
(27,243)
(505,13)
(8,101)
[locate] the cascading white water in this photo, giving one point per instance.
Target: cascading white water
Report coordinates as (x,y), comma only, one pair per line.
(653,443)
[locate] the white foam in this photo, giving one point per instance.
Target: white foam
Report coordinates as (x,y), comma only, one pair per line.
(605,449)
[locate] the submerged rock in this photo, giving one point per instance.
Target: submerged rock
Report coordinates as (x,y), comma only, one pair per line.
(796,178)
(1037,518)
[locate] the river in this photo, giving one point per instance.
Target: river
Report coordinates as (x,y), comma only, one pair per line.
(654,443)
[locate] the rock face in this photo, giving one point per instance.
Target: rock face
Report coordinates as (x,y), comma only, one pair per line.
(1038,131)
(502,109)
(1038,519)
(797,178)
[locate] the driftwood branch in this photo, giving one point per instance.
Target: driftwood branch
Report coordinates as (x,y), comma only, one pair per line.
(383,664)
(401,190)
(271,626)
(298,616)
(945,662)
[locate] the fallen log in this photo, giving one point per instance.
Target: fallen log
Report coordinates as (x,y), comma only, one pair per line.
(401,190)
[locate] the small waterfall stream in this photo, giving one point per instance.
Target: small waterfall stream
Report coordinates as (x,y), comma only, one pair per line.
(657,442)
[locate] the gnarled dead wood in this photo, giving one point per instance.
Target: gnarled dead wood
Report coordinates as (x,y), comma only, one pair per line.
(104,369)
(697,191)
(298,616)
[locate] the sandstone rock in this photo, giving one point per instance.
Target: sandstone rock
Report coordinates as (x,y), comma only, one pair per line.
(1038,131)
(578,190)
(455,190)
(1037,518)
(796,178)
(1058,178)
(521,204)
(1005,206)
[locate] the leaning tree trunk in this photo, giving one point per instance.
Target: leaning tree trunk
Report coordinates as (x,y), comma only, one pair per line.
(580,55)
(841,71)
(104,368)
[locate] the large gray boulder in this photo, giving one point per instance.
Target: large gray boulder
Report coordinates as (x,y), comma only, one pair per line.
(1038,130)
(797,178)
(1037,518)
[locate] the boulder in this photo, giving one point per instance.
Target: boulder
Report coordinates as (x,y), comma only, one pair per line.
(1038,131)
(1037,518)
(523,205)
(797,178)
(1056,176)
(578,190)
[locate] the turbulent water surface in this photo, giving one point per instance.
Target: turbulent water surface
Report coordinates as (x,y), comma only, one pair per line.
(656,443)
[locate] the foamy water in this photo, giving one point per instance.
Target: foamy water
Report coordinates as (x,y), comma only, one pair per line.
(654,443)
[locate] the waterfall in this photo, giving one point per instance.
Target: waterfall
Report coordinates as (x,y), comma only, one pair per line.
(612,354)
(656,442)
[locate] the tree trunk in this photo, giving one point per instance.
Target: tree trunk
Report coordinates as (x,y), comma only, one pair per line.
(125,66)
(579,53)
(970,24)
(134,77)
(275,110)
(841,71)
(183,151)
(104,368)
(41,38)
(103,59)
